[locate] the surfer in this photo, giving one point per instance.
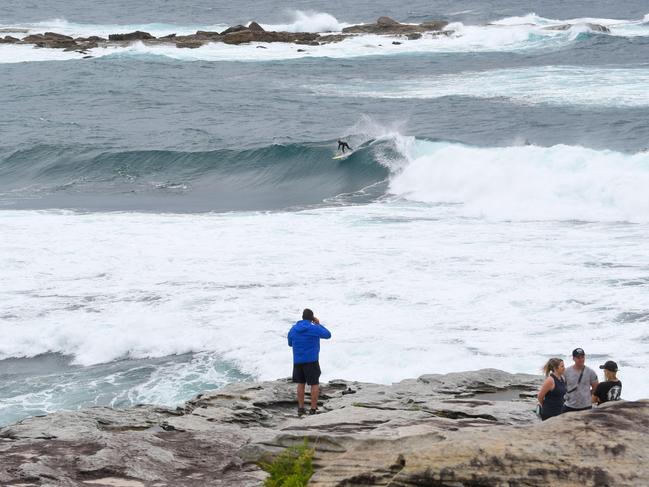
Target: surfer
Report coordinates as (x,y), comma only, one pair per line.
(343,145)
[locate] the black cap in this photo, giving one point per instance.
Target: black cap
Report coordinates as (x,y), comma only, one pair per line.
(578,352)
(609,365)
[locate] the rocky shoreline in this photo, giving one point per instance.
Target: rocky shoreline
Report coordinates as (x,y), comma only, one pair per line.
(240,34)
(463,429)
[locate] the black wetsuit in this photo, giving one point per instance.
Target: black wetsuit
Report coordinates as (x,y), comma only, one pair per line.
(343,145)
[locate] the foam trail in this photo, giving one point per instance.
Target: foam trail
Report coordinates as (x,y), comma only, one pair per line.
(555,85)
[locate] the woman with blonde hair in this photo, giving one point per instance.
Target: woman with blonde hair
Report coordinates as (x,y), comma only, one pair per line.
(551,394)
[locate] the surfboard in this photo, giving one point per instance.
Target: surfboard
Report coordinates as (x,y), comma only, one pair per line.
(337,157)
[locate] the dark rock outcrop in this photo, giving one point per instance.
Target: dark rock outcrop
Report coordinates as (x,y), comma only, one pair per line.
(388,26)
(238,34)
(472,428)
(255,27)
(594,27)
(236,28)
(138,35)
(50,40)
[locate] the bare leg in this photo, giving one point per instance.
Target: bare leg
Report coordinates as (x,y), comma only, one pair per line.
(315,392)
(300,395)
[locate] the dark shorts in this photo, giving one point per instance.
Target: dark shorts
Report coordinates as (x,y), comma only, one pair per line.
(308,373)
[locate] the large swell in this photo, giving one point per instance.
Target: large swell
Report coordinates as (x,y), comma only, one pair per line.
(520,182)
(272,177)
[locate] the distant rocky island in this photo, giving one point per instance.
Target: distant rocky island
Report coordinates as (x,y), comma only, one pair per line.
(461,429)
(237,34)
(240,34)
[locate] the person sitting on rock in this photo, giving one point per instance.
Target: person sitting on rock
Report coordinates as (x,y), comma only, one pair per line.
(342,145)
(611,389)
(550,396)
(304,337)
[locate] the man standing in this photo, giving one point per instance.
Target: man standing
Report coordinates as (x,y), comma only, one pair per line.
(581,382)
(304,337)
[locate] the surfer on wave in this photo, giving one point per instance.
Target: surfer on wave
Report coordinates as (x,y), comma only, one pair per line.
(343,145)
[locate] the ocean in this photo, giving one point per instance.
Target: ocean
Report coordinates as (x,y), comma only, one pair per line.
(166,214)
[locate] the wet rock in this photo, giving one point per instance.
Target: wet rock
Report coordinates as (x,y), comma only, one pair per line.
(8,40)
(236,28)
(138,35)
(255,27)
(593,27)
(189,44)
(388,26)
(50,40)
(239,36)
(202,34)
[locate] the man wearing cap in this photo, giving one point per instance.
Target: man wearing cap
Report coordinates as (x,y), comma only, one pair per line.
(611,389)
(581,382)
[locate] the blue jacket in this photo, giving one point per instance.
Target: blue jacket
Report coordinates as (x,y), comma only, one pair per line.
(305,337)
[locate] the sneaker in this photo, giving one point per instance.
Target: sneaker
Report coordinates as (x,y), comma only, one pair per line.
(301,411)
(313,411)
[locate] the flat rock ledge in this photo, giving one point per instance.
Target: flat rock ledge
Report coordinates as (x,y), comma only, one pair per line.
(462,429)
(238,34)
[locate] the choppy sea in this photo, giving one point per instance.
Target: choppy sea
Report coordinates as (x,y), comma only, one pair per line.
(165,214)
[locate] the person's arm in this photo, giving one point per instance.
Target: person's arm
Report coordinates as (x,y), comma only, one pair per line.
(596,393)
(593,382)
(321,331)
(290,338)
(547,386)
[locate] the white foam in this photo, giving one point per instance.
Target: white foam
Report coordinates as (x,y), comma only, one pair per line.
(308,22)
(74,29)
(506,35)
(556,85)
(10,54)
(528,182)
(406,288)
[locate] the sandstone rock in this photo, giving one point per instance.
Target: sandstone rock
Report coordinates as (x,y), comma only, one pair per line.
(386,22)
(388,26)
(189,44)
(8,40)
(90,39)
(50,40)
(202,34)
(236,28)
(131,36)
(470,428)
(255,27)
(434,25)
(593,27)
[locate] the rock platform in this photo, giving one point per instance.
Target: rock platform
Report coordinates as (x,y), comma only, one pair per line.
(461,429)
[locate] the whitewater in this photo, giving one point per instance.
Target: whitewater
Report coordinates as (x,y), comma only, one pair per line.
(166,214)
